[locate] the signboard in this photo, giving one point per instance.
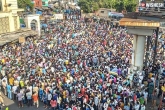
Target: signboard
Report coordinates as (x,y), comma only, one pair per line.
(142,24)
(58,16)
(21,39)
(152,3)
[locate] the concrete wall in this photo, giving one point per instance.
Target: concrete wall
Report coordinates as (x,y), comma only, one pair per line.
(13,5)
(103,12)
(9,22)
(38,3)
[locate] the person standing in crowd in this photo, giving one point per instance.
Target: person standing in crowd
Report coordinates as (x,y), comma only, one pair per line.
(53,104)
(20,96)
(49,98)
(14,92)
(9,91)
(35,99)
(4,85)
(77,64)
(29,98)
(154,97)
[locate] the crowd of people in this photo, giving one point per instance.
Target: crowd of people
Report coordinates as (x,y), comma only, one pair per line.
(78,65)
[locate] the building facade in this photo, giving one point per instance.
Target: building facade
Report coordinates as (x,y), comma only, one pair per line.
(45,3)
(37,3)
(9,19)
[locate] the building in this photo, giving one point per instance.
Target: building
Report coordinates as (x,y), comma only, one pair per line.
(37,3)
(10,22)
(104,12)
(45,3)
(9,19)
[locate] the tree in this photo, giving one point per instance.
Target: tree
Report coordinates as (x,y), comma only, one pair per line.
(85,5)
(24,4)
(93,5)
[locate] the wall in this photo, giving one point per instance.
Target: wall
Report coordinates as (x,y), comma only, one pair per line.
(103,12)
(13,5)
(37,3)
(9,22)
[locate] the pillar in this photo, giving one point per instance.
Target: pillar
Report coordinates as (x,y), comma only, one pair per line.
(139,40)
(138,51)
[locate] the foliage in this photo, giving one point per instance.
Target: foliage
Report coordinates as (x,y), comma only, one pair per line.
(89,6)
(24,4)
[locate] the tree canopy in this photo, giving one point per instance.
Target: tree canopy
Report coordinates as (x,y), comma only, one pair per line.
(93,5)
(24,4)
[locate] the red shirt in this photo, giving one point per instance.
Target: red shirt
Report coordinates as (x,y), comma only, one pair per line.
(83,91)
(109,108)
(53,103)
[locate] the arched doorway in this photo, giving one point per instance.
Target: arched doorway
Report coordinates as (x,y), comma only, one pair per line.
(33,22)
(34,25)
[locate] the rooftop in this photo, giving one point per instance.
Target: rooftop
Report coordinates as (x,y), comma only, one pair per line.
(138,22)
(13,36)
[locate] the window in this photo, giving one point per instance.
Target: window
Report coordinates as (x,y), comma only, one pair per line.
(102,11)
(43,3)
(4,25)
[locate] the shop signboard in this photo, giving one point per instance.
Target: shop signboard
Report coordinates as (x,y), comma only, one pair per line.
(152,3)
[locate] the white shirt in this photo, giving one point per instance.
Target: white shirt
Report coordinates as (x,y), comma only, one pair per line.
(30,88)
(14,88)
(5,79)
(49,96)
(105,106)
(137,106)
(143,107)
(145,94)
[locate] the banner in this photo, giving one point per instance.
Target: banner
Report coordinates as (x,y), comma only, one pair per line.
(21,39)
(58,16)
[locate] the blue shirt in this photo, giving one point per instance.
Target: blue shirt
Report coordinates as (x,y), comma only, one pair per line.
(8,88)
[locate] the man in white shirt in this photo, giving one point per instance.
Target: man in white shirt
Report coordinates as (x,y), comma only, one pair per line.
(137,106)
(49,98)
(14,91)
(105,106)
(29,98)
(145,96)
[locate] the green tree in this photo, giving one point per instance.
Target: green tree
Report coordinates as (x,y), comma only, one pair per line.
(119,6)
(93,5)
(25,3)
(131,6)
(85,5)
